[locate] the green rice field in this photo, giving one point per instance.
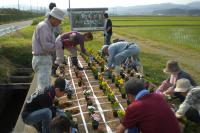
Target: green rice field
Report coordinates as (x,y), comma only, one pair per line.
(179,31)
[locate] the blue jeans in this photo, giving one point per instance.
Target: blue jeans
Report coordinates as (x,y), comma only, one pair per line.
(133,130)
(132,50)
(42,115)
(107,39)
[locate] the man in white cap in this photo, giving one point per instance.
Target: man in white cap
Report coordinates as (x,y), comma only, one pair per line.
(119,51)
(191,105)
(43,44)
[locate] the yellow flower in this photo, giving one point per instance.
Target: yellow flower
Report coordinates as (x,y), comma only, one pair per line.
(121,81)
(104,83)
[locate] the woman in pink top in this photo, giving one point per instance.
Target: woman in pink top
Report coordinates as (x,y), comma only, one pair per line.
(168,85)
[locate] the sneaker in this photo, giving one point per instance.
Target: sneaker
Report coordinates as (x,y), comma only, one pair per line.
(79,68)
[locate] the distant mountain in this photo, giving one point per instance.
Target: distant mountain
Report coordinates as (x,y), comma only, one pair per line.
(152,9)
(178,12)
(193,5)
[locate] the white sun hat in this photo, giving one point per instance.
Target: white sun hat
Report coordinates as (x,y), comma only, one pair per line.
(57,13)
(183,85)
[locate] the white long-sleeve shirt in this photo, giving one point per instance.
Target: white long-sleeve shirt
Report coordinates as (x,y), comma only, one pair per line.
(43,40)
(192,100)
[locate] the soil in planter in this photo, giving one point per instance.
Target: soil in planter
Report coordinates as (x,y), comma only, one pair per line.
(101,128)
(124,96)
(115,113)
(95,125)
(113,124)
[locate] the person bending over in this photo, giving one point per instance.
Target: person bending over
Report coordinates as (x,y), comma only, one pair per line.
(69,41)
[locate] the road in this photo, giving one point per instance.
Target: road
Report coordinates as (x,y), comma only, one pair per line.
(11,27)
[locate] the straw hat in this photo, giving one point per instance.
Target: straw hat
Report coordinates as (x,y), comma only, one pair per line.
(171,67)
(183,85)
(57,13)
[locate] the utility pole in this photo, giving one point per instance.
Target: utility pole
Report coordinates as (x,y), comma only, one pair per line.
(18,6)
(69,9)
(30,6)
(37,6)
(69,15)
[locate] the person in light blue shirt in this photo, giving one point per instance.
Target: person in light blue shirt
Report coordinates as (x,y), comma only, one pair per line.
(119,51)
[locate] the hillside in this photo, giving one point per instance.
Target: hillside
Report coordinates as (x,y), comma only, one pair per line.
(151,9)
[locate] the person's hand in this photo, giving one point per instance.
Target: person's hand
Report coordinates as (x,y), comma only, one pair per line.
(178,116)
(120,129)
(181,119)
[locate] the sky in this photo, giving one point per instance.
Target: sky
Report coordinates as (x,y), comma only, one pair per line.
(64,4)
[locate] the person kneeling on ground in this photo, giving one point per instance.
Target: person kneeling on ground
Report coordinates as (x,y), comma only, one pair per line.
(172,68)
(147,112)
(118,52)
(70,41)
(39,109)
(191,105)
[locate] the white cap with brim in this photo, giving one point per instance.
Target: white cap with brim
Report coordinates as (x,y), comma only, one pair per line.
(183,85)
(57,13)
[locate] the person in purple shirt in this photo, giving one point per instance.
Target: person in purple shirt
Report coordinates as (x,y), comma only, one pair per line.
(70,41)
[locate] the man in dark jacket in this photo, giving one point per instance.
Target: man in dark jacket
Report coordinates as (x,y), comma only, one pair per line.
(107,30)
(39,108)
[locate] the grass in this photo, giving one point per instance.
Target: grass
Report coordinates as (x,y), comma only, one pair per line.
(185,37)
(167,30)
(155,23)
(15,50)
(155,18)
(153,66)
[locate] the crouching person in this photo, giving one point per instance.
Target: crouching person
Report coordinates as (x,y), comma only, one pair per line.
(118,52)
(39,108)
(148,112)
(191,105)
(70,41)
